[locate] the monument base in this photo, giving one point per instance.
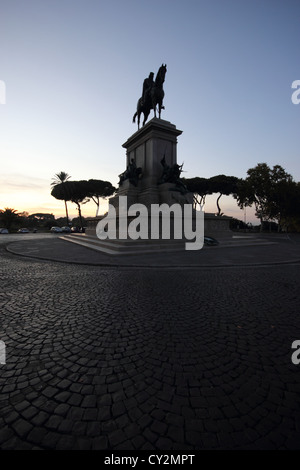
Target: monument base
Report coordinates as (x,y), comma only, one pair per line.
(152,177)
(214,226)
(151,160)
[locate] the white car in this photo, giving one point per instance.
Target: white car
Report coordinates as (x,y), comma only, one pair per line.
(55,230)
(4,230)
(23,230)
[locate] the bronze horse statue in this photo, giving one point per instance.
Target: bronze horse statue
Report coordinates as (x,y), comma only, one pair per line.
(153,98)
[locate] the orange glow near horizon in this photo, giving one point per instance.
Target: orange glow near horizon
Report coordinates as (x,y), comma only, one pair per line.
(37,201)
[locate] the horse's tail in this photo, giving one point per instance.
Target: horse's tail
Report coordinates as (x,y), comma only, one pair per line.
(135,115)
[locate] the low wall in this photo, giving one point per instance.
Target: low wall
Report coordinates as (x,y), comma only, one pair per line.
(217,226)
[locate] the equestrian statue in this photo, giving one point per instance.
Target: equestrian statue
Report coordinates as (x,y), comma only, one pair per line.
(152,95)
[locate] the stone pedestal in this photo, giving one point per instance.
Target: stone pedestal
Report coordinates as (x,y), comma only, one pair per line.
(146,148)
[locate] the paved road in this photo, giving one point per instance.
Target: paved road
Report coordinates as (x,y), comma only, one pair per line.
(261,249)
(132,358)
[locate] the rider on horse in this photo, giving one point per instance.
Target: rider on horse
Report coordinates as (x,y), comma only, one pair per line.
(152,95)
(147,86)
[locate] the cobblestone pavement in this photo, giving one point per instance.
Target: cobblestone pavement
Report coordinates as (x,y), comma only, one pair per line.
(120,358)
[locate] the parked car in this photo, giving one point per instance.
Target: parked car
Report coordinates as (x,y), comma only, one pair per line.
(56,230)
(78,229)
(4,230)
(210,241)
(66,229)
(23,230)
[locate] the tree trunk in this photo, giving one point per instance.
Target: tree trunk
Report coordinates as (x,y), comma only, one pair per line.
(261,224)
(97,202)
(98,207)
(219,208)
(79,213)
(67,212)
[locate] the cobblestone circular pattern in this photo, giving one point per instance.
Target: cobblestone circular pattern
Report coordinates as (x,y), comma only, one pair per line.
(101,358)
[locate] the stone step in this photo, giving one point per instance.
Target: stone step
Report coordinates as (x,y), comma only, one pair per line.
(128,247)
(115,247)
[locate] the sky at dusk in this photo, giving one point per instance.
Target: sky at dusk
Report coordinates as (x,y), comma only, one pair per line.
(73,71)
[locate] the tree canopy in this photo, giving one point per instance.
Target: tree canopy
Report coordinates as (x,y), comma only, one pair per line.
(60,177)
(98,189)
(9,217)
(272,191)
(223,184)
(201,187)
(80,192)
